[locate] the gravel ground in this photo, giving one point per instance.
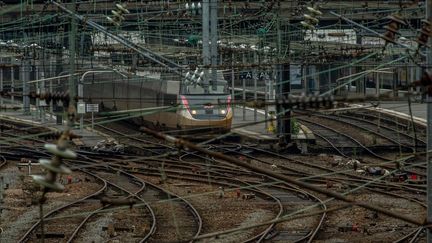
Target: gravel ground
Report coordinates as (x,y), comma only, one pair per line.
(370,226)
(92,231)
(20,217)
(220,214)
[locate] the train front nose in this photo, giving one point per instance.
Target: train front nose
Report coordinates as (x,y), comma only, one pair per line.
(214,110)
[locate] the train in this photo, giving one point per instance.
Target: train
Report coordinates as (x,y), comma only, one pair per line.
(163,101)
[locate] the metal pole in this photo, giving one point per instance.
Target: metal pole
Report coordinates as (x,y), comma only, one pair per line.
(72,84)
(255,80)
(12,84)
(42,73)
(349,85)
(244,99)
(51,104)
(429,134)
(92,120)
(329,78)
(214,39)
(25,73)
(232,78)
(1,83)
(266,98)
(38,90)
(206,39)
(81,94)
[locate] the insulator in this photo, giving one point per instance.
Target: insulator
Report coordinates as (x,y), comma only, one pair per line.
(49,165)
(45,182)
(56,96)
(425,80)
(311,19)
(54,166)
(118,15)
(314,11)
(64,153)
(425,34)
(396,22)
(122,8)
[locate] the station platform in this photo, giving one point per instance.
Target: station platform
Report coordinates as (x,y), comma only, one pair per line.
(401,110)
(259,131)
(419,110)
(88,137)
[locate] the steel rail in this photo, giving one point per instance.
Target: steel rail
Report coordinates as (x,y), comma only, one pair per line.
(381,126)
(311,234)
(188,205)
(343,119)
(131,194)
(26,235)
(345,135)
(185,144)
(261,235)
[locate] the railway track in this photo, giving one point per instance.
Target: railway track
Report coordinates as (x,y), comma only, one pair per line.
(394,122)
(59,226)
(373,188)
(220,173)
(359,181)
(334,135)
(189,222)
(395,136)
(143,216)
(137,176)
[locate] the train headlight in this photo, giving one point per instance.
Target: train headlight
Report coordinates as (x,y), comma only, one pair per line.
(223,112)
(193,112)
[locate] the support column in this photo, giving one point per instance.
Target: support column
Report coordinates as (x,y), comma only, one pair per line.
(283,87)
(12,83)
(255,84)
(42,103)
(206,39)
(25,77)
(214,39)
(72,84)
(232,79)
